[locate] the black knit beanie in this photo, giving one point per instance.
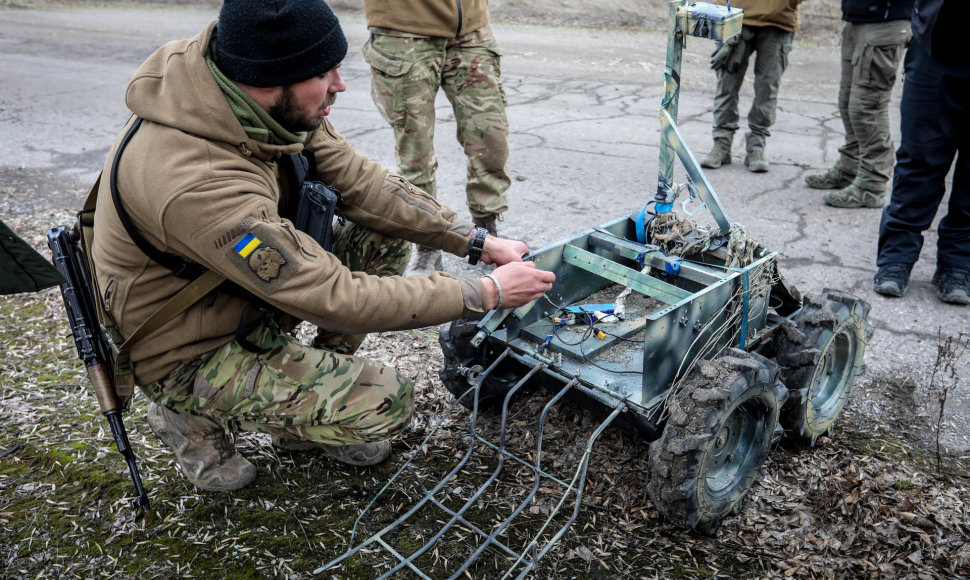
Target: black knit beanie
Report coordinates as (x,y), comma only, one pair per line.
(270,43)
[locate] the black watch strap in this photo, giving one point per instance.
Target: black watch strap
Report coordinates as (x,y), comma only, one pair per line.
(476,245)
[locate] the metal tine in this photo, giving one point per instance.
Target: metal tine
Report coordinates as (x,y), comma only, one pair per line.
(467,523)
(501,462)
(492,538)
(376,538)
(581,476)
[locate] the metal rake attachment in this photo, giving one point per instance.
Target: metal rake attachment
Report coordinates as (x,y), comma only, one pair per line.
(470,529)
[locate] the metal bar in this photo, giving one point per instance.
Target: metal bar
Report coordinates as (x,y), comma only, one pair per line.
(501,462)
(535,487)
(675,47)
(350,552)
(653,256)
(464,521)
(628,277)
(671,134)
(581,476)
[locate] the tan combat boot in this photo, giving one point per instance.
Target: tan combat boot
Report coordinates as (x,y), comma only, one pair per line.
(204,449)
(720,155)
(426,261)
(853,196)
(360,454)
(755,161)
(832,179)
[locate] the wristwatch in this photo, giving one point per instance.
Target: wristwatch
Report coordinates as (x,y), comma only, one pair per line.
(476,245)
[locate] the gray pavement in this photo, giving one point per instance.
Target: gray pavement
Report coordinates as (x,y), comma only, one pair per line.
(583,108)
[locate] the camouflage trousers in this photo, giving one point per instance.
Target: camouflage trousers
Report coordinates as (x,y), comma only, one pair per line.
(406,73)
(772,45)
(871,53)
(298,391)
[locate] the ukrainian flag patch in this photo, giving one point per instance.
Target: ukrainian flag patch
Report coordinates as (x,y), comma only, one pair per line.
(246,245)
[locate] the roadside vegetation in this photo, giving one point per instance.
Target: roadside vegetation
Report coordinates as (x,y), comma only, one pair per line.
(866,503)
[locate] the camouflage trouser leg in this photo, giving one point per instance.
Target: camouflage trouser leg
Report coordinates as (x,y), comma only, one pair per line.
(472,81)
(406,73)
(871,53)
(363,250)
(294,390)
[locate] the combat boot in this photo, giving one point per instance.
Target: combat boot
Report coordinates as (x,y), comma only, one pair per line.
(952,285)
(832,179)
(755,161)
(426,261)
(891,279)
(359,454)
(489,222)
(853,196)
(204,449)
(720,154)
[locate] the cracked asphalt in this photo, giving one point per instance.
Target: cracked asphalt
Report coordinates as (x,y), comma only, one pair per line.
(583,106)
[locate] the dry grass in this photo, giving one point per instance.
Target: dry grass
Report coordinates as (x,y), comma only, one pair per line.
(864,504)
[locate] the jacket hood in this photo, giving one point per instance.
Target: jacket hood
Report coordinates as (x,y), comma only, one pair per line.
(175,88)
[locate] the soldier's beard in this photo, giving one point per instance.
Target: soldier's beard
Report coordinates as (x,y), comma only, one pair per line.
(287,112)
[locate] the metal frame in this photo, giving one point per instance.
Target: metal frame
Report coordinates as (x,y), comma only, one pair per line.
(584,264)
(526,558)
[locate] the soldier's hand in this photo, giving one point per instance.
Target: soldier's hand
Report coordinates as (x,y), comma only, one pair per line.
(521,283)
(500,251)
(723,52)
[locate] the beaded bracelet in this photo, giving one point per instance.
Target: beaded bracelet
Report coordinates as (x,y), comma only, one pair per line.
(497,287)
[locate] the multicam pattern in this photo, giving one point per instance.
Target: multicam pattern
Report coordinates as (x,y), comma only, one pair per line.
(406,72)
(298,391)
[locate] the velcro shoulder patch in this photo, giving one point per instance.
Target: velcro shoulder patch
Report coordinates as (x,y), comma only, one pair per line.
(262,258)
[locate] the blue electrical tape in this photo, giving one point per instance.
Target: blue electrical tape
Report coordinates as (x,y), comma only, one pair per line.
(673,266)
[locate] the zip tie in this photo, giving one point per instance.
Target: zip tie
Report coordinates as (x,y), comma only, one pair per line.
(497,287)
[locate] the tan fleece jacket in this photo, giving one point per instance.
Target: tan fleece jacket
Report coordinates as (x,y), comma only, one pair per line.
(440,18)
(780,13)
(195,185)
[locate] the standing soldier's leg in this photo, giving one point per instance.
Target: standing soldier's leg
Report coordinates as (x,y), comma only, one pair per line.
(926,150)
(874,78)
(405,76)
(844,170)
(773,46)
(726,114)
(472,82)
(848,163)
(879,48)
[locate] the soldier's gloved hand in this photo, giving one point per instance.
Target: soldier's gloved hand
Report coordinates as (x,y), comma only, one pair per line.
(723,52)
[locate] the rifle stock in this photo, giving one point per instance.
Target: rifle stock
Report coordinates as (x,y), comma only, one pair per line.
(92,347)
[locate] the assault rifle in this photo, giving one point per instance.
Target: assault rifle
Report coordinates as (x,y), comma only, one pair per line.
(92,345)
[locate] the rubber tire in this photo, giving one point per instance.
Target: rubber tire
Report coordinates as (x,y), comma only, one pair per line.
(725,407)
(458,352)
(821,358)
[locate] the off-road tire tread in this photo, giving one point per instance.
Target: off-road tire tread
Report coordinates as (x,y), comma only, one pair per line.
(799,351)
(695,413)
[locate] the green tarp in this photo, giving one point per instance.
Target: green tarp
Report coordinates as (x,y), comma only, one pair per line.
(22,269)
